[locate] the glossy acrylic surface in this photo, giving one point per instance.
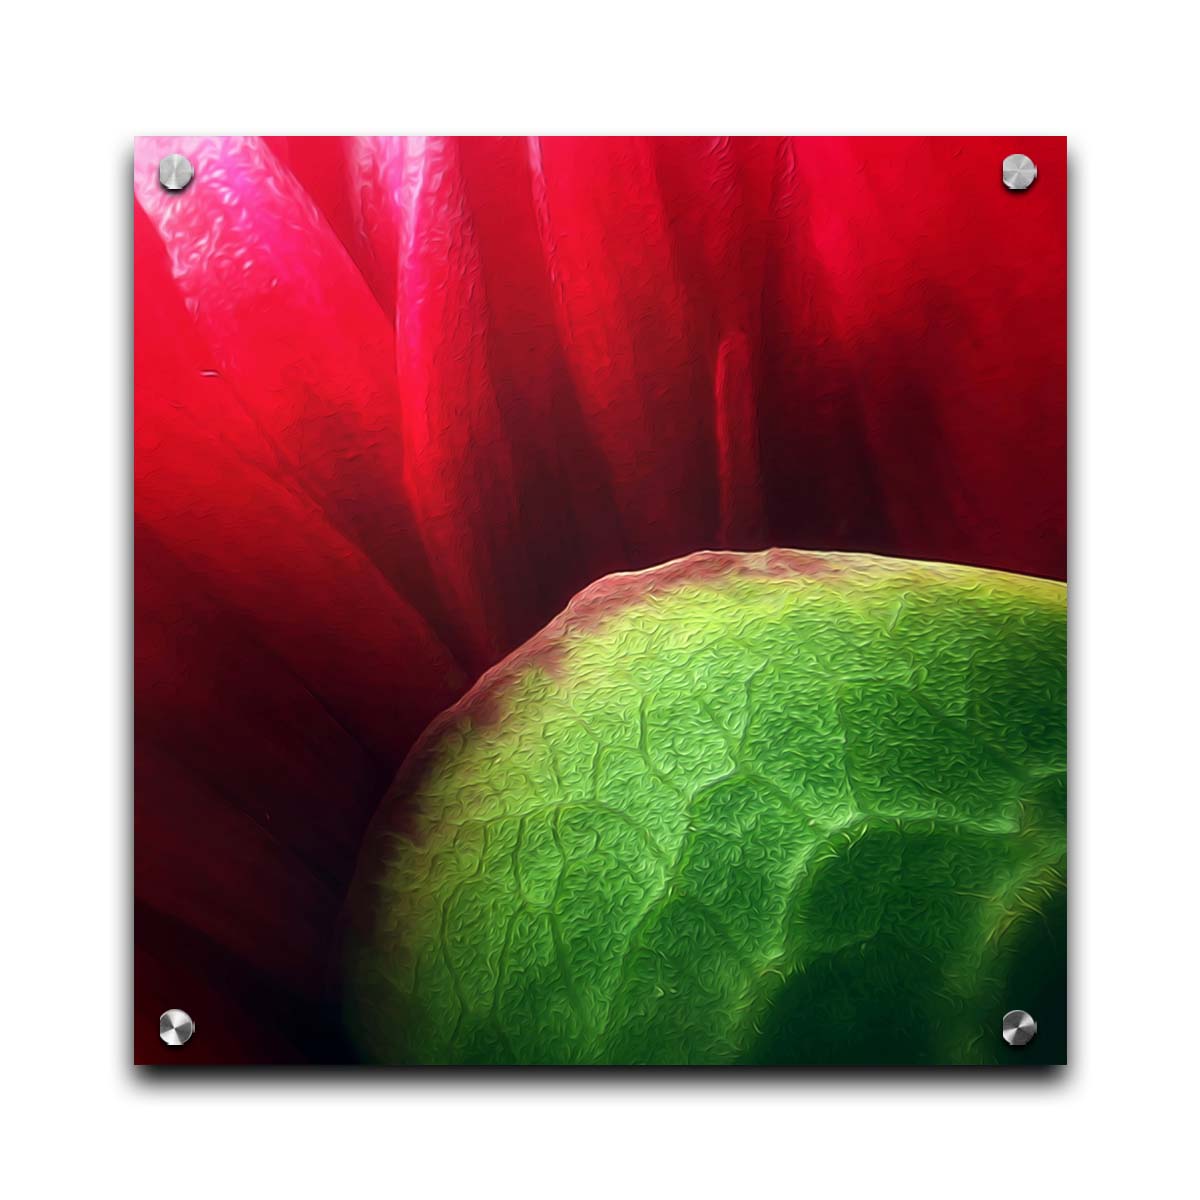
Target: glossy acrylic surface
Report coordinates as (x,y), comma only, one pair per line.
(399,401)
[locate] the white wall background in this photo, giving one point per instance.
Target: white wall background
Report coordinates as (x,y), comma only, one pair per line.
(76,84)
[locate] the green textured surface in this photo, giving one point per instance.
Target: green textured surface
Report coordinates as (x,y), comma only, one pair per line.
(769,808)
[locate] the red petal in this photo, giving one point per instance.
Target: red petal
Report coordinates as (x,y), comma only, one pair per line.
(623,323)
(209,487)
(296,334)
(459,469)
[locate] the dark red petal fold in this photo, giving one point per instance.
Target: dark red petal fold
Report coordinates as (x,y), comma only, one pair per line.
(622,319)
(459,467)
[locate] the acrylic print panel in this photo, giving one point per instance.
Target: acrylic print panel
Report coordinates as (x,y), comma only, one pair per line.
(600,601)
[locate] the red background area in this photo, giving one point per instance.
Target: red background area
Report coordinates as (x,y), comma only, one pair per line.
(398,399)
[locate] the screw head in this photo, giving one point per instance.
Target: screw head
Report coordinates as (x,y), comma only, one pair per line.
(1018,171)
(175,172)
(175,1027)
(1018,1027)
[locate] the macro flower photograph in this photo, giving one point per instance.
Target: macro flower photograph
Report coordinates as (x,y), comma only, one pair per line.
(600,601)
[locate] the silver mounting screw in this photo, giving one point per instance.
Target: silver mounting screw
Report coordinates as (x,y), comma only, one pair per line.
(175,1027)
(1018,1027)
(1019,172)
(175,172)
